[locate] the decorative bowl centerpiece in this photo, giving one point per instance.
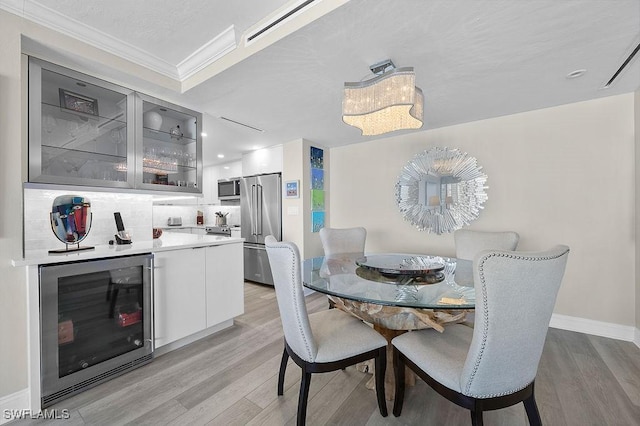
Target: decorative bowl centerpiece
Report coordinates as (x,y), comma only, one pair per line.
(71,219)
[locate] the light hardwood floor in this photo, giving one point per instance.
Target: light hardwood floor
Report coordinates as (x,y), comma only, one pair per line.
(230,379)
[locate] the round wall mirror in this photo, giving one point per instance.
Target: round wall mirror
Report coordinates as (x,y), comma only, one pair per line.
(70,221)
(441,190)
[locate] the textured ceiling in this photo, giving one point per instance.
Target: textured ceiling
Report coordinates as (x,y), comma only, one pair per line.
(167,29)
(474,59)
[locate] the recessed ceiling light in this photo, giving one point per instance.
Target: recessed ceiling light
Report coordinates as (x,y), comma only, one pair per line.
(220,155)
(203,134)
(576,73)
(226,167)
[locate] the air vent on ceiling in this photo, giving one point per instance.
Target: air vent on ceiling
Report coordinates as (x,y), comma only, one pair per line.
(286,14)
(623,66)
(241,124)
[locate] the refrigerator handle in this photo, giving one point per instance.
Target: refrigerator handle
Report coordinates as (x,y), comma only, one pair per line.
(253,209)
(259,209)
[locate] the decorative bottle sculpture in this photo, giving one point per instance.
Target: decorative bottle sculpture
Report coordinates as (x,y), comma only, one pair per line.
(71,221)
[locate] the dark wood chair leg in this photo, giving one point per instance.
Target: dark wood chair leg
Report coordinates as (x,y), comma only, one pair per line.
(532,411)
(304,395)
(398,371)
(381,367)
(476,417)
(283,368)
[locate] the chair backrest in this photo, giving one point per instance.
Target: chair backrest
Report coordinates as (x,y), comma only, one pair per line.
(515,296)
(339,241)
(284,259)
(469,243)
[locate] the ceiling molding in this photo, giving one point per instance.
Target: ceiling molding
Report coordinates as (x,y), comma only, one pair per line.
(208,53)
(56,21)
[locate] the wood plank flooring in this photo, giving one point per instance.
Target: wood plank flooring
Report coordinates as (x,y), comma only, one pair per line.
(230,379)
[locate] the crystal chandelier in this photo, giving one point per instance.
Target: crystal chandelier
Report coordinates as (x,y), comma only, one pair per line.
(391,101)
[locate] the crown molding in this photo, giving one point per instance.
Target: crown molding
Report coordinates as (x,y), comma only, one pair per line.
(56,21)
(208,53)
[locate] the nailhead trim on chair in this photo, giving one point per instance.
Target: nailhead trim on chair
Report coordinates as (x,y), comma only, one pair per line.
(485,314)
(293,279)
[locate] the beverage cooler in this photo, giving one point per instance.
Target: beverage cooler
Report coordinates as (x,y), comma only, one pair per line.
(96,322)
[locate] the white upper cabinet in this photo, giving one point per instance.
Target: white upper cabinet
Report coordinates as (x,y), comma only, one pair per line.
(268,160)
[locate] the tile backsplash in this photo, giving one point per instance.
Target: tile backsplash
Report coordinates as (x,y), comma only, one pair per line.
(188,214)
(136,211)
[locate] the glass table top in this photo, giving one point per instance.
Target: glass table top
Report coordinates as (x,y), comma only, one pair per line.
(350,277)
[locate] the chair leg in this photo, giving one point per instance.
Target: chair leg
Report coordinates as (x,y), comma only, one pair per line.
(381,367)
(532,411)
(304,395)
(283,368)
(476,417)
(398,371)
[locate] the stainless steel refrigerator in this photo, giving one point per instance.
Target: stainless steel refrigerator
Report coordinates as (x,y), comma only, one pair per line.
(261,215)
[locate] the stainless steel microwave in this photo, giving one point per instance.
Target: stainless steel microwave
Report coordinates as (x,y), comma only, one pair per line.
(229,189)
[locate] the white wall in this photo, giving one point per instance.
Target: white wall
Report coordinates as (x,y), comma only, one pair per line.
(296,212)
(13,299)
(558,175)
(637,212)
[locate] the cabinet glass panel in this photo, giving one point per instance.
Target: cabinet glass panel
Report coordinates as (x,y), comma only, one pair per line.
(79,129)
(170,148)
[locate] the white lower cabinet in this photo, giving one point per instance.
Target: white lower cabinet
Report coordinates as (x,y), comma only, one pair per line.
(179,294)
(225,283)
(195,289)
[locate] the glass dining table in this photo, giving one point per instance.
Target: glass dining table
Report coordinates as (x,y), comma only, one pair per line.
(396,292)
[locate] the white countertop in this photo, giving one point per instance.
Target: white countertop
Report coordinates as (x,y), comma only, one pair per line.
(168,241)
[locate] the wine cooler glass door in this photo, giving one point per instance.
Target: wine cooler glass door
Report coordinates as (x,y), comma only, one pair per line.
(96,322)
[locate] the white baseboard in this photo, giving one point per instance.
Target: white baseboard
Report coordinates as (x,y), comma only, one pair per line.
(13,402)
(192,338)
(597,328)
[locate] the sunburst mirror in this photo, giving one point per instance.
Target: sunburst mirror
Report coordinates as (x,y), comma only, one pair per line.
(441,190)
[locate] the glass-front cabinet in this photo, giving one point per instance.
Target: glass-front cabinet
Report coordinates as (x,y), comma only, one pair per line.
(170,151)
(86,131)
(80,128)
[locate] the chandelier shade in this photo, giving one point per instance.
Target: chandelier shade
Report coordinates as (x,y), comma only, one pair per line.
(385,103)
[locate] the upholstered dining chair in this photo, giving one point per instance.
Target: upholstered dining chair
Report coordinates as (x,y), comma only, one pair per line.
(468,244)
(493,365)
(341,241)
(323,341)
(345,240)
